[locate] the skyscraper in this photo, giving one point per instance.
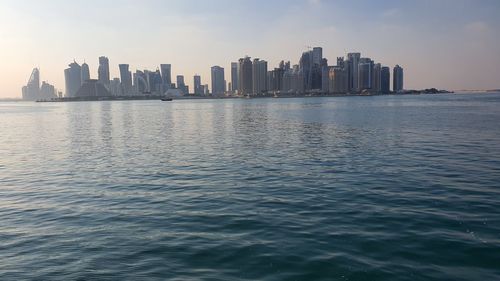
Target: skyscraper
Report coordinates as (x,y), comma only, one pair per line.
(340,62)
(154,81)
(85,72)
(325,70)
(352,65)
(140,82)
(365,72)
(115,87)
(245,77)
(73,79)
(103,71)
(293,80)
(198,89)
(306,68)
(32,90)
(166,76)
(287,81)
(181,85)
(234,77)
(385,80)
(180,81)
(275,79)
(47,91)
(92,88)
(377,78)
(218,82)
(126,79)
(319,64)
(259,74)
(310,66)
(317,54)
(397,85)
(338,80)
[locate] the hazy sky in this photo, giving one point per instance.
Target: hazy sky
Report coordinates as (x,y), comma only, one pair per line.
(452,44)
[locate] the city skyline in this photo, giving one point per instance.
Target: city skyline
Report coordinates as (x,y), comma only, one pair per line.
(433,47)
(352,74)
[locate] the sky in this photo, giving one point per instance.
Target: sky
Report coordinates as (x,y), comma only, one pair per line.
(447,44)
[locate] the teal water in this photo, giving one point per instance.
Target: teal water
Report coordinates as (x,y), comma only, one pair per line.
(354,188)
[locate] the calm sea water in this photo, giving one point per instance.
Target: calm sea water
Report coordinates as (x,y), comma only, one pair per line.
(355,188)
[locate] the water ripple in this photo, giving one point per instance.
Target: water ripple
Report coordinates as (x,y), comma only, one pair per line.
(372,188)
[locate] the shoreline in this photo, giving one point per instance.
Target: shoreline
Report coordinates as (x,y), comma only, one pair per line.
(159,97)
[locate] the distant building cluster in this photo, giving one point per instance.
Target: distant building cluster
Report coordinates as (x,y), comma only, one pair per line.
(352,74)
(34,91)
(141,82)
(313,75)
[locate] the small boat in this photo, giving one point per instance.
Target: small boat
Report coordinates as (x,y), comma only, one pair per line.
(166,99)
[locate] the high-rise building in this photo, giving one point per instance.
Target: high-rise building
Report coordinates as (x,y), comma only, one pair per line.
(352,62)
(140,82)
(325,70)
(365,73)
(180,81)
(85,72)
(397,76)
(181,85)
(154,81)
(259,74)
(245,76)
(166,76)
(115,87)
(385,80)
(338,80)
(317,54)
(340,62)
(377,78)
(218,82)
(319,64)
(32,90)
(47,91)
(275,79)
(103,71)
(198,89)
(126,79)
(73,79)
(234,77)
(293,80)
(270,81)
(298,80)
(92,88)
(287,81)
(306,68)
(311,68)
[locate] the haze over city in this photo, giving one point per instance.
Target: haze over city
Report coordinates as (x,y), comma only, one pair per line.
(438,42)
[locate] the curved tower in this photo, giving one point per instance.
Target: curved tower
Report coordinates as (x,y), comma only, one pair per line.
(32,90)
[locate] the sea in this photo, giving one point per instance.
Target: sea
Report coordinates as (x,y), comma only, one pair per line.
(336,188)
